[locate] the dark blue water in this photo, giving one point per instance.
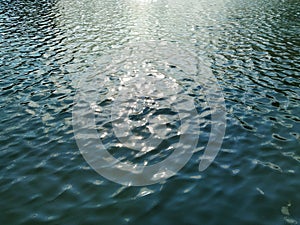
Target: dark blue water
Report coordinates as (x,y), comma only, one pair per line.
(253,48)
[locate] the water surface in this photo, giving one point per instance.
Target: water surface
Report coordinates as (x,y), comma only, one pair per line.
(253,47)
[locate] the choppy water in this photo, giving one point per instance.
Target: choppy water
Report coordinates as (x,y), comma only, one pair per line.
(253,48)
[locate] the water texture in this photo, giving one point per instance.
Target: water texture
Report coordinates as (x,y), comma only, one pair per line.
(48,46)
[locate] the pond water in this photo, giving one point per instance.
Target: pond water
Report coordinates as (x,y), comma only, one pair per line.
(252,49)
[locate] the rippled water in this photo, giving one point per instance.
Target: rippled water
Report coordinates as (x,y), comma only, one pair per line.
(253,47)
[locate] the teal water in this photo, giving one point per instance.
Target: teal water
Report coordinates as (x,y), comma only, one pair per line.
(253,47)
